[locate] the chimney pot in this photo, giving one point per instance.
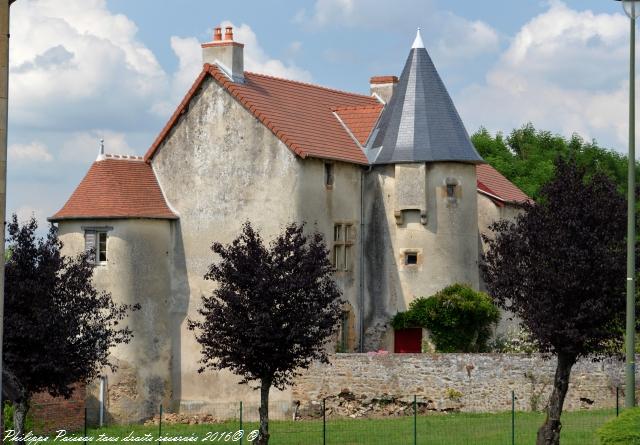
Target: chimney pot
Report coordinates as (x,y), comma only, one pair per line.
(217,34)
(226,54)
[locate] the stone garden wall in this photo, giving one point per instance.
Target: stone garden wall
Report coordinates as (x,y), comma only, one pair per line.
(356,383)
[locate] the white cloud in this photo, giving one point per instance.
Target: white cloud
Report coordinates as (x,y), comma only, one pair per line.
(448,36)
(257,60)
(565,71)
(462,39)
(82,147)
(189,53)
(32,152)
(77,65)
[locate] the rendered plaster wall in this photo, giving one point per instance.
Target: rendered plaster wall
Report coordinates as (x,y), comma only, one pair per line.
(443,232)
(484,380)
(220,167)
(488,213)
(136,271)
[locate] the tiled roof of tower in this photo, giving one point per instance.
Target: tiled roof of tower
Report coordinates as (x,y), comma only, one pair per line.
(360,120)
(117,187)
(491,182)
(299,114)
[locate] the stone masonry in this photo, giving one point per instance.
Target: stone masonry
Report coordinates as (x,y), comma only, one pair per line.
(446,382)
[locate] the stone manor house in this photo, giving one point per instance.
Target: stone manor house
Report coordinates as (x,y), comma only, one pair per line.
(390,178)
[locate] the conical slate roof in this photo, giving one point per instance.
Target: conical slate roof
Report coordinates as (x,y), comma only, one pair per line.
(420,122)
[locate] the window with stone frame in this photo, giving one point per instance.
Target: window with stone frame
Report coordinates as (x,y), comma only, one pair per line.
(343,240)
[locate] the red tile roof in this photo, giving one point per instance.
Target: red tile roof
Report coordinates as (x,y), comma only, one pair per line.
(492,183)
(360,120)
(117,187)
(299,114)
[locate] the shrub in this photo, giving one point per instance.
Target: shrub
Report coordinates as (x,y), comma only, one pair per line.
(454,394)
(623,430)
(458,317)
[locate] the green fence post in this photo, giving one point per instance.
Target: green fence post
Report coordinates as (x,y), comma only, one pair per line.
(242,435)
(513,418)
(160,426)
(415,420)
(324,422)
(617,401)
(85,425)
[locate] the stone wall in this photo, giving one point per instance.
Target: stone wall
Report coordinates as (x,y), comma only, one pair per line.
(53,413)
(465,382)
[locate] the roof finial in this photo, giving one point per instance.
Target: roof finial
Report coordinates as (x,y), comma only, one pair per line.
(101,155)
(417,43)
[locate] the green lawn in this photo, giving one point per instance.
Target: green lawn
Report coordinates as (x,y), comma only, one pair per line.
(445,429)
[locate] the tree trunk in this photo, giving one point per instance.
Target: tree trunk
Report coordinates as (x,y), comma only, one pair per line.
(263,437)
(20,409)
(549,432)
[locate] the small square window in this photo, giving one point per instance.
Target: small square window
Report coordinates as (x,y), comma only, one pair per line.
(410,258)
(451,190)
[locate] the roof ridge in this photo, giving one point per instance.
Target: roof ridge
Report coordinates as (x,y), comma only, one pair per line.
(121,157)
(357,107)
(314,85)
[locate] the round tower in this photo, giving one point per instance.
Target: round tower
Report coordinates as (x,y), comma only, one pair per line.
(421,205)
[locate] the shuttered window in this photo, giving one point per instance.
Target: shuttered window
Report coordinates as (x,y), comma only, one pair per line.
(96,241)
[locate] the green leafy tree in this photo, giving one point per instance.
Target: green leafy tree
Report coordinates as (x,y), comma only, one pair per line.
(459,318)
(527,156)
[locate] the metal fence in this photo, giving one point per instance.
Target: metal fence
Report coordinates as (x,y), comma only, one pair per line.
(412,423)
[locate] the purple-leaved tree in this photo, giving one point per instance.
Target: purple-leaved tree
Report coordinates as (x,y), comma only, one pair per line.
(272,312)
(560,267)
(58,329)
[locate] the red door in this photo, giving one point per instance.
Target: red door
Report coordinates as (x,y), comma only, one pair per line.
(408,341)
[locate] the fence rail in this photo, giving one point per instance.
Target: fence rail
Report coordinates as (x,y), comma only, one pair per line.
(412,424)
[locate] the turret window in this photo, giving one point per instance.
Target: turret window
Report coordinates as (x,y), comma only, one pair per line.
(410,258)
(96,242)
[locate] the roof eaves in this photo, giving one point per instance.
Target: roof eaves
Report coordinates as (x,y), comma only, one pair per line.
(56,218)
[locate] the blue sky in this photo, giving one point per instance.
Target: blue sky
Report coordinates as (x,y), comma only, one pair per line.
(82,70)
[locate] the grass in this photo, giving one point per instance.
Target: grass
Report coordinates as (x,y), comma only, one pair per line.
(442,429)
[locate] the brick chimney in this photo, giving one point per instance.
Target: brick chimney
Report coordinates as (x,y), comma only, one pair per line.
(383,87)
(225,53)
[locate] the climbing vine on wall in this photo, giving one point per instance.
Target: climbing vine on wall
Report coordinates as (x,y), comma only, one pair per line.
(459,318)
